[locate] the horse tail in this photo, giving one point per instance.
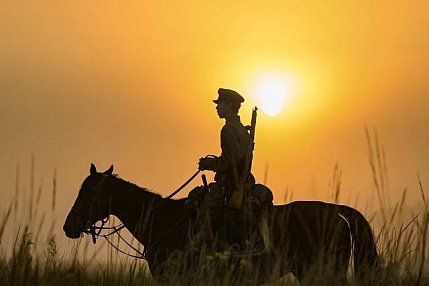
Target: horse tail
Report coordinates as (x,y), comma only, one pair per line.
(367,264)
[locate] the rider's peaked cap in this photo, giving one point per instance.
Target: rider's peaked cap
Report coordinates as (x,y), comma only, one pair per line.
(228,95)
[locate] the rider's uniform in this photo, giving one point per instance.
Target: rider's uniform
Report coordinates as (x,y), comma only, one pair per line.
(234,142)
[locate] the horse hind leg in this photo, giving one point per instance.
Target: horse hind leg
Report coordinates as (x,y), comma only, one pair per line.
(341,265)
(330,266)
(339,254)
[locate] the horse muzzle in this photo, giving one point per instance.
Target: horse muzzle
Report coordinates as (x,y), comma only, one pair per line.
(73,235)
(73,227)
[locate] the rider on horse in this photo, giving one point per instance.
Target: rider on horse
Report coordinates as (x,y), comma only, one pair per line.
(232,177)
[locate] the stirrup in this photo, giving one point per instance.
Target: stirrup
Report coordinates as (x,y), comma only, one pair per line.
(234,248)
(257,244)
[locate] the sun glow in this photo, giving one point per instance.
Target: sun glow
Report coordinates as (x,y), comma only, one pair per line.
(272,94)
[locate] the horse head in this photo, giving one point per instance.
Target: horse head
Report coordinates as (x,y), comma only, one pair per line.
(92,204)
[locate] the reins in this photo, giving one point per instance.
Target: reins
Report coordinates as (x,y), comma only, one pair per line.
(95,231)
(184,185)
(189,180)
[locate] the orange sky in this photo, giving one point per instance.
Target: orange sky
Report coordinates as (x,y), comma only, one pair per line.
(131,84)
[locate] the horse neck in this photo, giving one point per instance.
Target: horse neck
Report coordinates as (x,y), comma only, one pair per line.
(133,206)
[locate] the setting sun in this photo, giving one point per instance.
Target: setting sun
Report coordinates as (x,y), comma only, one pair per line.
(272,95)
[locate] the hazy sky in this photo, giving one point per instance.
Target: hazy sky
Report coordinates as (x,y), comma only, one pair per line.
(130,83)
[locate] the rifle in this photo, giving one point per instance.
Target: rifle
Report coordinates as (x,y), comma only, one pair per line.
(251,147)
(237,197)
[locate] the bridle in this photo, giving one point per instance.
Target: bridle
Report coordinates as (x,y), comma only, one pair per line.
(95,231)
(86,226)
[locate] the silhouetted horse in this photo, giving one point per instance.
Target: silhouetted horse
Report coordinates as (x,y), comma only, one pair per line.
(302,237)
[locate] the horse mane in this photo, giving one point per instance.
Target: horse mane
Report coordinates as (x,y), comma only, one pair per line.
(157,195)
(179,201)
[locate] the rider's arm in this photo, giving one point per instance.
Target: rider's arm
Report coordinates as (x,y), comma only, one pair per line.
(231,152)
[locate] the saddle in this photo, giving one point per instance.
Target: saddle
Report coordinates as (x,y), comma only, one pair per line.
(237,231)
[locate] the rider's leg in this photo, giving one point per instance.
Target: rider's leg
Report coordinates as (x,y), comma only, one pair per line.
(209,215)
(251,213)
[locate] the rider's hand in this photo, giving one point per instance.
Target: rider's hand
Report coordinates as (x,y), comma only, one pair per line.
(205,164)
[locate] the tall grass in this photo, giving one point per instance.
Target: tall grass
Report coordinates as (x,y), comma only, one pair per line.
(403,236)
(30,252)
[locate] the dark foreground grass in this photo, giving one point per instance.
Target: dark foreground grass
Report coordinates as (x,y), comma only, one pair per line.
(403,250)
(401,266)
(24,268)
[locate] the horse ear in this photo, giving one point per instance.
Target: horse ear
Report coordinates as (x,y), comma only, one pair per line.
(109,171)
(93,169)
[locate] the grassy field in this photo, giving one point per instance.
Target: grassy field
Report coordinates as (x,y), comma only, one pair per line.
(30,252)
(36,258)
